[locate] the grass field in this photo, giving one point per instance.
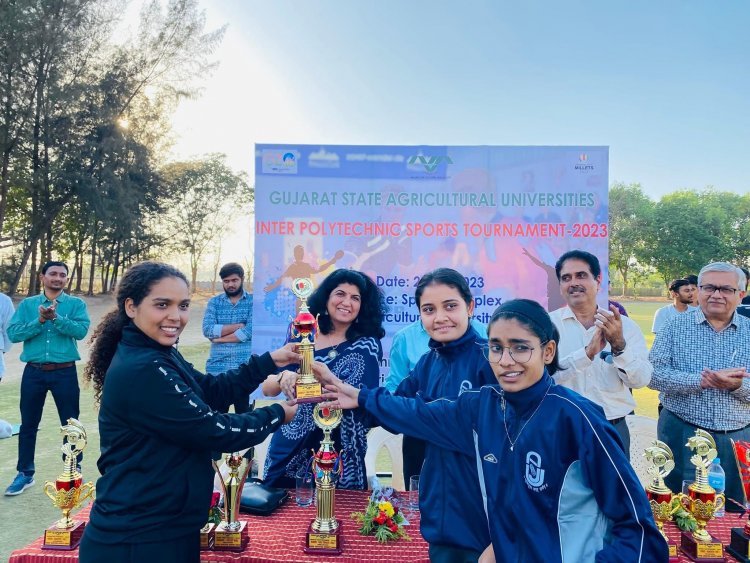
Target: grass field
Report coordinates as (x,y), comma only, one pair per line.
(24,517)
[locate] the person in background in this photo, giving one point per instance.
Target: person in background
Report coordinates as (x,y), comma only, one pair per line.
(682,293)
(49,325)
(558,485)
(603,354)
(159,420)
(693,279)
(615,304)
(6,312)
(350,310)
(228,324)
(744,307)
(700,363)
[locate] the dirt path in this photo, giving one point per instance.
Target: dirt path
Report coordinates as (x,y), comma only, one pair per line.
(98,306)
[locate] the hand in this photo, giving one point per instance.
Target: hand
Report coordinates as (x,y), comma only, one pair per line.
(341,395)
(727,379)
(324,374)
(287,381)
(596,344)
(289,411)
(286,355)
(611,324)
(488,555)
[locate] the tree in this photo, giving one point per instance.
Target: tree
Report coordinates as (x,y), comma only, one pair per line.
(630,216)
(204,195)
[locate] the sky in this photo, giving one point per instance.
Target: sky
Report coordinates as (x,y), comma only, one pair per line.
(664,84)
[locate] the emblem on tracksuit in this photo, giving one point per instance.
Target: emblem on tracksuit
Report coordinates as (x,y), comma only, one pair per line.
(534,476)
(465,386)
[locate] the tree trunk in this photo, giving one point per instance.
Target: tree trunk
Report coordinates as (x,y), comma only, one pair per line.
(92,269)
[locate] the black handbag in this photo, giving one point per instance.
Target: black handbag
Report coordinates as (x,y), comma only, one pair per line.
(260,499)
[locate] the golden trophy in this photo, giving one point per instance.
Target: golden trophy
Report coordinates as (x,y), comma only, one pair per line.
(702,501)
(739,546)
(324,534)
(68,491)
(661,460)
(304,325)
(231,534)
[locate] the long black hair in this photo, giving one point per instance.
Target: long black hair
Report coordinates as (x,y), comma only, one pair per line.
(534,318)
(136,284)
(444,276)
(369,321)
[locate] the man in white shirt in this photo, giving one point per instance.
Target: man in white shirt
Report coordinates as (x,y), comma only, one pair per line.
(603,354)
(682,293)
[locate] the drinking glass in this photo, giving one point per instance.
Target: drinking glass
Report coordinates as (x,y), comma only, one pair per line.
(303,493)
(413,493)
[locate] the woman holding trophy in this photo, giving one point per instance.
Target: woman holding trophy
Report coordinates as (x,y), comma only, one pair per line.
(558,485)
(350,309)
(159,421)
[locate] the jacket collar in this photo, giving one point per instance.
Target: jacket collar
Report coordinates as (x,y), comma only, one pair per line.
(531,396)
(450,349)
(133,336)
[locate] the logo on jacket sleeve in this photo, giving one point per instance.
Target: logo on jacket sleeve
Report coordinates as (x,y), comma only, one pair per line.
(534,473)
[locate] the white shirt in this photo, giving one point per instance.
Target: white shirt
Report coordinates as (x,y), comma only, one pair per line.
(6,312)
(608,385)
(665,313)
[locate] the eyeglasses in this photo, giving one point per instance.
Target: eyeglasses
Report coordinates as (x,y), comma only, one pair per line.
(519,353)
(725,290)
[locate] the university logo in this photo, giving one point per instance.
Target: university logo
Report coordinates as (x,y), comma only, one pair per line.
(279,162)
(430,163)
(465,386)
(583,164)
(534,473)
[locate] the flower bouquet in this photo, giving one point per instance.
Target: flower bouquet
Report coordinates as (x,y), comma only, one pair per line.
(382,517)
(214,512)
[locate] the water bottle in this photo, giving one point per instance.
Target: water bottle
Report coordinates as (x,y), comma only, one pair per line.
(717,479)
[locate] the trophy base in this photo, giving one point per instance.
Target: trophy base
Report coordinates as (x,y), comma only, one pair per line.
(325,544)
(63,540)
(309,392)
(739,546)
(702,552)
(231,540)
(207,536)
(674,556)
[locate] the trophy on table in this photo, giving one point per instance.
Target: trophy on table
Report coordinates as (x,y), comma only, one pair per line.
(68,491)
(324,534)
(231,534)
(661,464)
(739,546)
(702,501)
(305,325)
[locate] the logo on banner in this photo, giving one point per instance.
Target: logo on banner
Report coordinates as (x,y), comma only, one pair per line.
(583,163)
(430,163)
(279,162)
(323,159)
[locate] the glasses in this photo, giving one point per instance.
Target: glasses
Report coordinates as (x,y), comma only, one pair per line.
(519,353)
(725,290)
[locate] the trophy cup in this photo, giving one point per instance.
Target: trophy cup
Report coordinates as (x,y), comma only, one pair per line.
(231,534)
(659,496)
(308,389)
(739,546)
(702,501)
(324,534)
(68,492)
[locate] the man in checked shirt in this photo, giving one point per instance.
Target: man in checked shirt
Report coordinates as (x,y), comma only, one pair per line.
(701,361)
(228,323)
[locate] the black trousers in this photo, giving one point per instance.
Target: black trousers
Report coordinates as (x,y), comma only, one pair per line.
(185,549)
(412,450)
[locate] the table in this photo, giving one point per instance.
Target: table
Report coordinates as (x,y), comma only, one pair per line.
(280,537)
(721,528)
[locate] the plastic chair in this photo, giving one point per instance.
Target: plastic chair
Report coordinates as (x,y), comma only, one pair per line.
(380,438)
(642,434)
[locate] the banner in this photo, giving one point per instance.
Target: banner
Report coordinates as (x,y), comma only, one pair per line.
(499,215)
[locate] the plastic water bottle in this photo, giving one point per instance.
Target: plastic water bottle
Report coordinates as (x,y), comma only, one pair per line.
(717,479)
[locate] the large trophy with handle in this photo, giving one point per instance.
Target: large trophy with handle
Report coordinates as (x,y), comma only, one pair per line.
(304,326)
(68,491)
(661,464)
(324,534)
(232,534)
(702,501)
(739,546)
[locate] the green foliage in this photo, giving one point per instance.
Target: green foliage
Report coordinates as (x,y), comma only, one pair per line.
(382,520)
(629,219)
(685,520)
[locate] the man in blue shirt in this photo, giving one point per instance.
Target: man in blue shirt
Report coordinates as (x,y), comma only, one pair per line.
(49,325)
(228,324)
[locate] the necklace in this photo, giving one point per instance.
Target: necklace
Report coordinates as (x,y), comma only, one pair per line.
(505,423)
(332,353)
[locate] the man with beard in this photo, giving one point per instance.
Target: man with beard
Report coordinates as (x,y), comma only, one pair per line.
(682,293)
(228,324)
(49,325)
(603,354)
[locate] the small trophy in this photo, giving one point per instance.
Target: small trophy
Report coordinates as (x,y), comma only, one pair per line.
(308,389)
(739,546)
(702,501)
(68,492)
(324,534)
(231,534)
(659,496)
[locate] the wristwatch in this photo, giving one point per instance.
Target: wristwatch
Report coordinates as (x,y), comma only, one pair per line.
(619,352)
